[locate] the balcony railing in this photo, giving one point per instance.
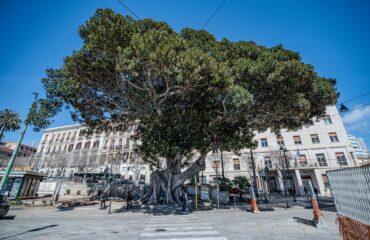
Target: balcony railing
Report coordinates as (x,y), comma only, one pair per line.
(119,147)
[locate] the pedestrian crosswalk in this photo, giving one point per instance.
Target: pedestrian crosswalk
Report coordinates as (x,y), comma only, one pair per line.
(179,227)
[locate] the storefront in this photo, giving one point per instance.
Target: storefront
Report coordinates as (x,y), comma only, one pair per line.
(22,184)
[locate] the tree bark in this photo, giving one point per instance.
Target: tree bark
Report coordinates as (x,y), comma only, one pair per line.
(171,180)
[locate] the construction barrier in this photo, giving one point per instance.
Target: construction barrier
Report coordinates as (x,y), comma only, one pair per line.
(351,191)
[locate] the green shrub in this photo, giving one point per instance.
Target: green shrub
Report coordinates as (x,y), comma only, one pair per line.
(68,191)
(78,192)
(224,183)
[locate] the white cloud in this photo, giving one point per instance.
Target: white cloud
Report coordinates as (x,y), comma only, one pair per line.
(358,119)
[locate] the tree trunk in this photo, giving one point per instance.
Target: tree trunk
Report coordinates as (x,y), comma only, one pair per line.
(2,132)
(171,179)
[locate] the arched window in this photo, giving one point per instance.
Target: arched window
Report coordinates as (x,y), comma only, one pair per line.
(96,144)
(87,144)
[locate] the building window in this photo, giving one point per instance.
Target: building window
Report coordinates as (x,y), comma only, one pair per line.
(321,159)
(280,141)
(81,133)
(60,148)
(87,144)
(216,164)
(327,120)
(341,159)
(268,162)
(333,137)
(120,142)
(236,163)
(78,146)
(113,142)
(54,149)
(70,148)
(264,142)
(127,143)
(106,144)
(315,138)
(57,137)
(303,160)
(297,140)
(96,144)
(69,135)
(65,147)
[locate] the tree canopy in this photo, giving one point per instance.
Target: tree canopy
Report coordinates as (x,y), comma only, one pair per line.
(186,90)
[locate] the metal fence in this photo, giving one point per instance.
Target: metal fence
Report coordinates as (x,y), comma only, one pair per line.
(351,190)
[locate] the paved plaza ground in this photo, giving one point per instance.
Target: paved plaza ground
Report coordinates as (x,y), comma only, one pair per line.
(216,224)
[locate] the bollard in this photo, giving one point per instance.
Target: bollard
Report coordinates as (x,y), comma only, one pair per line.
(318,217)
(254,207)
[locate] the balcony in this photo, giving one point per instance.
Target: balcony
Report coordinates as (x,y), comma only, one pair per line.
(119,147)
(111,148)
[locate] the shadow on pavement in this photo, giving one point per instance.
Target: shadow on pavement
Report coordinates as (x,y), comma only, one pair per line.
(31,230)
(9,217)
(304,221)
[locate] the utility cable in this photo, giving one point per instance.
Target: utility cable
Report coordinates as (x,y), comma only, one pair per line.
(213,14)
(128,9)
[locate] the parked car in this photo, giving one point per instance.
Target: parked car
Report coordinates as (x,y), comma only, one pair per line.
(4,205)
(234,190)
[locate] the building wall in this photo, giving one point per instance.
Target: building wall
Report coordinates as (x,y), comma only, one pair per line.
(360,148)
(69,142)
(234,165)
(7,149)
(310,168)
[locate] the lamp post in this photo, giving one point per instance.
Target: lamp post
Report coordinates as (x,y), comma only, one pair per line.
(15,152)
(287,167)
(254,174)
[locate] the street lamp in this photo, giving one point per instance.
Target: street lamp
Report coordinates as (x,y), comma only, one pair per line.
(287,167)
(343,108)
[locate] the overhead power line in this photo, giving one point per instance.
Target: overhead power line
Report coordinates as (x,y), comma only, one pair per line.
(214,13)
(128,9)
(357,97)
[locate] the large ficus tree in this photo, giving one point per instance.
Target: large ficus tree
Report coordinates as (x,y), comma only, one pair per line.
(188,92)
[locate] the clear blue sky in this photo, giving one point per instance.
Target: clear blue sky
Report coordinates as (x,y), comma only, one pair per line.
(333,36)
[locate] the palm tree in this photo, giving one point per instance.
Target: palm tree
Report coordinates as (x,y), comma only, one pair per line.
(9,121)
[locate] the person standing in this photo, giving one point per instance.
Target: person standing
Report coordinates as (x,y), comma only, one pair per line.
(129,199)
(183,202)
(305,191)
(103,199)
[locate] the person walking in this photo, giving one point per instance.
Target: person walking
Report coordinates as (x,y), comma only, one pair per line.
(305,191)
(103,199)
(183,201)
(316,191)
(129,199)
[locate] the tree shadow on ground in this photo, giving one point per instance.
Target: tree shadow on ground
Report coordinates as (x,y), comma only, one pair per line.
(165,209)
(8,217)
(304,221)
(31,230)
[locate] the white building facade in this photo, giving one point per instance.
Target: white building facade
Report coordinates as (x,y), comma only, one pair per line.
(70,150)
(311,152)
(361,150)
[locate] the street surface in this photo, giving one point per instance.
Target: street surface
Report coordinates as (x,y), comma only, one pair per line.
(223,224)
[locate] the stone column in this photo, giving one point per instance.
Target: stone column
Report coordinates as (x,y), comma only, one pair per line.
(279,181)
(299,188)
(320,181)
